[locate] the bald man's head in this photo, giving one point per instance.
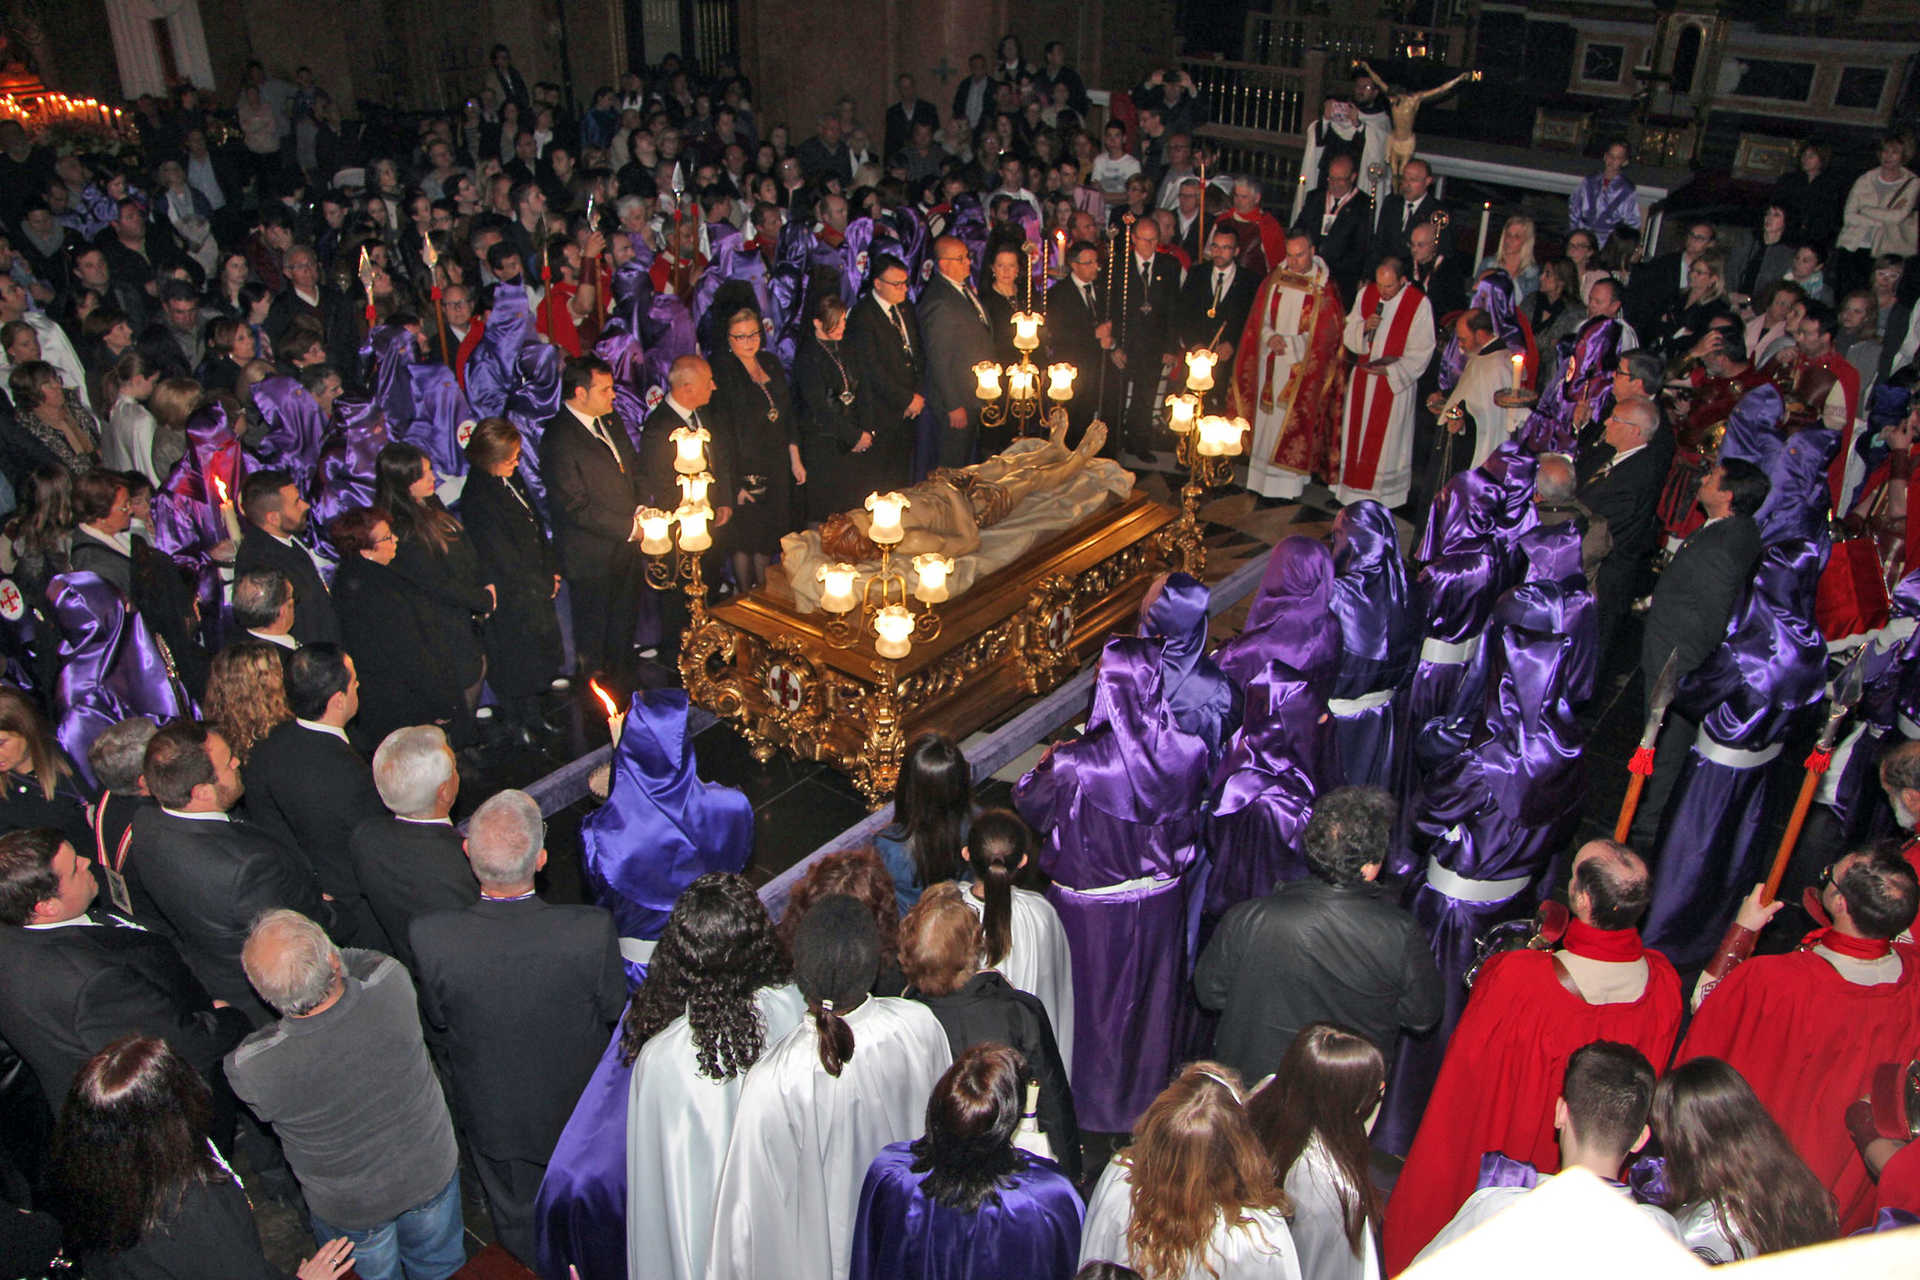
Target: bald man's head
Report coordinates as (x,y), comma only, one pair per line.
(1553,480)
(952,258)
(690,380)
(1611,887)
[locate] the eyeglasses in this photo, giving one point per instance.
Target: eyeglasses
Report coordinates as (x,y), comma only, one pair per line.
(893,282)
(385,538)
(743,337)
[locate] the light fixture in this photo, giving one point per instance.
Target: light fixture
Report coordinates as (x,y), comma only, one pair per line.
(1026,330)
(886,509)
(690,449)
(1182,411)
(837,579)
(931,569)
(654,531)
(892,626)
(1200,362)
(693,526)
(1060,381)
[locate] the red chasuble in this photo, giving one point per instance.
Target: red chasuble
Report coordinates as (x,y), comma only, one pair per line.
(1503,1070)
(1807,1040)
(1900,1180)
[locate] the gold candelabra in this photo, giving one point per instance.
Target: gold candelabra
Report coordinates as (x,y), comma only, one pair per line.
(1020,399)
(882,598)
(1206,445)
(672,542)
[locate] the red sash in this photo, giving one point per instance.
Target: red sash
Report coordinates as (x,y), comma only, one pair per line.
(468,344)
(1365,440)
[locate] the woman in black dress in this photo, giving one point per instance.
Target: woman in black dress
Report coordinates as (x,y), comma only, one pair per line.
(523,634)
(1001,298)
(838,451)
(436,557)
(754,404)
(401,656)
(39,786)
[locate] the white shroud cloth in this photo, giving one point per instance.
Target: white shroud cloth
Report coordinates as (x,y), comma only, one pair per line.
(1038,961)
(803,1139)
(678,1126)
(1259,1249)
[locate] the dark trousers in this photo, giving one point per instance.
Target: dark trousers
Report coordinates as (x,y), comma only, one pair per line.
(1669,758)
(604,606)
(510,1187)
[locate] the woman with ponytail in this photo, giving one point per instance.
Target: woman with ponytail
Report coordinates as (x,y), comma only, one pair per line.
(818,1106)
(1024,940)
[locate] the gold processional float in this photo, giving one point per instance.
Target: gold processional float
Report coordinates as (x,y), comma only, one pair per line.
(883,622)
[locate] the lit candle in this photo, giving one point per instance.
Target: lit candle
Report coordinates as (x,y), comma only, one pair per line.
(1060,381)
(987,373)
(690,449)
(836,594)
(1236,437)
(693,488)
(1200,369)
(893,625)
(933,569)
(1519,359)
(227,514)
(1026,330)
(1181,411)
(616,718)
(1020,382)
(1212,442)
(886,509)
(1480,244)
(654,524)
(693,526)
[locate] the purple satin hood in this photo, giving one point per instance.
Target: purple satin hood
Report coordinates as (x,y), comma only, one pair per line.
(112,666)
(1370,600)
(344,479)
(1280,743)
(1773,661)
(1591,354)
(1202,699)
(1463,516)
(186,509)
(295,428)
(1796,465)
(1134,762)
(1290,620)
(1493,294)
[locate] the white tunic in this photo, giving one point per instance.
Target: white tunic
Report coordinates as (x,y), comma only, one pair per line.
(1282,319)
(678,1126)
(1393,472)
(802,1141)
(1487,373)
(1258,1249)
(1319,1225)
(1038,961)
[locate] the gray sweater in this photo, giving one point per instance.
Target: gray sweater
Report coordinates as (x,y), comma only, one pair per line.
(353,1098)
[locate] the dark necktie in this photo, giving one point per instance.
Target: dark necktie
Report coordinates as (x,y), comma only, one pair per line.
(978,310)
(1406,216)
(900,327)
(1086,291)
(1219,284)
(605,437)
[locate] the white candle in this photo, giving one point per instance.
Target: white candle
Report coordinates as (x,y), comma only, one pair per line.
(1480,244)
(1181,412)
(886,509)
(693,526)
(616,718)
(987,375)
(654,524)
(1060,381)
(893,625)
(836,595)
(1026,330)
(690,445)
(228,515)
(1020,382)
(932,569)
(1200,369)
(1519,359)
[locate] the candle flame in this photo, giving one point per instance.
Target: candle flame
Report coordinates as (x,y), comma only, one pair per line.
(606,699)
(220,487)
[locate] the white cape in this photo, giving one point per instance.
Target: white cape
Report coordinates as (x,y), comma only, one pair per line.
(1259,1249)
(803,1139)
(678,1126)
(1038,961)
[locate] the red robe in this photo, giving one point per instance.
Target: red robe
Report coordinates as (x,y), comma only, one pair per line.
(1502,1073)
(1273,241)
(1900,1180)
(1807,1040)
(468,345)
(1316,386)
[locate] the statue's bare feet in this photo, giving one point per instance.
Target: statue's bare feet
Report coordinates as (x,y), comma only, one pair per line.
(1058,433)
(1092,442)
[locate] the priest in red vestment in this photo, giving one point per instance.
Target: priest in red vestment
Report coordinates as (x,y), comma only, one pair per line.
(1262,242)
(1288,376)
(1529,1011)
(1807,1028)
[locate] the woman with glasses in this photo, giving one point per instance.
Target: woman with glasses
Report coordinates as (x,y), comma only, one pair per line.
(753,400)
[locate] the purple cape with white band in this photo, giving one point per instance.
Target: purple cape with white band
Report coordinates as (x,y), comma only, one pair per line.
(1289,620)
(1378,636)
(1264,791)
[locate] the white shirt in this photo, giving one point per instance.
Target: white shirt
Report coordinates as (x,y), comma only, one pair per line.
(215,816)
(594,430)
(286,642)
(317,727)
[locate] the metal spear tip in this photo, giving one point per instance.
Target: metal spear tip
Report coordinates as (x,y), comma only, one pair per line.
(1664,688)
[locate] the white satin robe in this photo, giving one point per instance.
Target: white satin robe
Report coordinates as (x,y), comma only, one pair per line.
(1258,1249)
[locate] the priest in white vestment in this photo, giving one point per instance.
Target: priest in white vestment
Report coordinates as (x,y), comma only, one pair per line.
(1489,371)
(1390,334)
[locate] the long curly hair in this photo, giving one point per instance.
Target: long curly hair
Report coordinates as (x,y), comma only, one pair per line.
(861,875)
(1195,1162)
(1723,1148)
(718,949)
(247,695)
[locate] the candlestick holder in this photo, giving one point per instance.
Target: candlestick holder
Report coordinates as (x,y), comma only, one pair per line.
(1206,446)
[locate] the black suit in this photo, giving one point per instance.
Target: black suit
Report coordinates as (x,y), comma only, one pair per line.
(1071,340)
(1444,281)
(1144,327)
(311,790)
(1626,496)
(1343,244)
(339,322)
(890,375)
(959,336)
(523,632)
(1195,327)
(519,997)
(66,993)
(1652,287)
(899,130)
(314,621)
(407,869)
(209,881)
(592,492)
(1397,221)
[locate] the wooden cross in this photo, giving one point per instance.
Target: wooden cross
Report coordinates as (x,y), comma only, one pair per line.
(944,71)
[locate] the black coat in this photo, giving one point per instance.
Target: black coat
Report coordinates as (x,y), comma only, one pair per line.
(899,127)
(23,805)
(755,447)
(837,478)
(1653,285)
(1228,322)
(1145,325)
(1390,238)
(890,377)
(1313,952)
(1626,496)
(407,869)
(314,619)
(452,596)
(166,600)
(591,499)
(1344,245)
(1070,327)
(523,633)
(67,993)
(519,998)
(1697,592)
(311,790)
(1444,281)
(339,322)
(406,674)
(659,483)
(987,1008)
(210,881)
(211,1233)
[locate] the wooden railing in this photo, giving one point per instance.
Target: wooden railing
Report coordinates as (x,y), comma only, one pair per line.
(1259,114)
(1285,39)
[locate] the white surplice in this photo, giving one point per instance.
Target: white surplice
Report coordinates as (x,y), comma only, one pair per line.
(1038,961)
(1259,1249)
(678,1125)
(1487,373)
(1287,318)
(1393,472)
(802,1141)
(1315,1185)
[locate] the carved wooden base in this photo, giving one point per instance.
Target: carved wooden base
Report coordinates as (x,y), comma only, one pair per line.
(769,669)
